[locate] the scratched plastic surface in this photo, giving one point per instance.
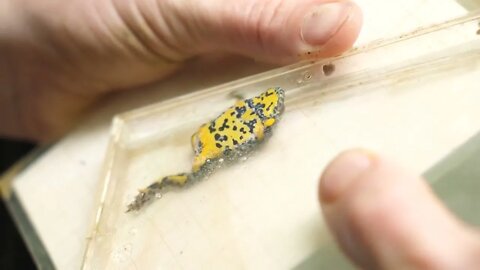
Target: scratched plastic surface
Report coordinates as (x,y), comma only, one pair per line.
(398,96)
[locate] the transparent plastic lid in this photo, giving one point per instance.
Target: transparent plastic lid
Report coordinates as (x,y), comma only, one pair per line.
(395,96)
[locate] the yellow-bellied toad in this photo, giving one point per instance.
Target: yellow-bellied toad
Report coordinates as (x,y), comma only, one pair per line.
(233,134)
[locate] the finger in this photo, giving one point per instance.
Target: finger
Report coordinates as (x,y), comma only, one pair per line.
(92,47)
(385,218)
(277,31)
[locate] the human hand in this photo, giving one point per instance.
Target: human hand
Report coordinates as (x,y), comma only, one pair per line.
(59,56)
(385,218)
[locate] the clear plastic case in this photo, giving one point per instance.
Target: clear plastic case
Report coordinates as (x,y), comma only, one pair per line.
(262,213)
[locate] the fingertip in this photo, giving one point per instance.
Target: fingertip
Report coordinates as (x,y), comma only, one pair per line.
(328,28)
(286,31)
(386,217)
(341,172)
(346,35)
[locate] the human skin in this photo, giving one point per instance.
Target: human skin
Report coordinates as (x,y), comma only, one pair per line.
(386,218)
(59,56)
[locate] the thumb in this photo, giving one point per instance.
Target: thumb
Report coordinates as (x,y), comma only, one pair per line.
(276,31)
(89,48)
(385,218)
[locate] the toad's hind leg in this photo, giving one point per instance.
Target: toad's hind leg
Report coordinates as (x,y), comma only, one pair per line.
(147,194)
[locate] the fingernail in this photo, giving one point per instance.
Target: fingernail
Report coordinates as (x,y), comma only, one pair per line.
(321,23)
(341,172)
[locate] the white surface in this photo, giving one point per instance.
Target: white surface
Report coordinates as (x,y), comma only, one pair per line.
(58,189)
(263,213)
(422,105)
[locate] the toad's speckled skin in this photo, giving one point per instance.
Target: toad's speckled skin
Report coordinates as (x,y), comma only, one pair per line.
(231,135)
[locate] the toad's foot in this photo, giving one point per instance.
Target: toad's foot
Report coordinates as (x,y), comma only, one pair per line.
(144,196)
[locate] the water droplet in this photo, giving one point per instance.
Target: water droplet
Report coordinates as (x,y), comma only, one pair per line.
(221,160)
(122,253)
(133,231)
(307,76)
(243,158)
(158,195)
